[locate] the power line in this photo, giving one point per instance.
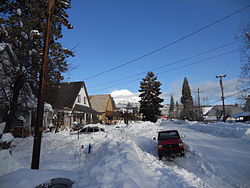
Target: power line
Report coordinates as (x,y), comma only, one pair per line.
(237,93)
(169,44)
(200,61)
(180,67)
(176,62)
(231,95)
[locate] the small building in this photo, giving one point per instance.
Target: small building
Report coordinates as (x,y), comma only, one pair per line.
(72,105)
(216,112)
(242,116)
(105,105)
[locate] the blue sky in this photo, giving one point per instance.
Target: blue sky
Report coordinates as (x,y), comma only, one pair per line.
(112,32)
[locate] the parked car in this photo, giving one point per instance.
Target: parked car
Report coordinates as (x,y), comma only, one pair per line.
(169,143)
(91,129)
(76,126)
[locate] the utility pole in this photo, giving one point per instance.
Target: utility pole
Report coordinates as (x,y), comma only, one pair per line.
(42,88)
(222,95)
(199,105)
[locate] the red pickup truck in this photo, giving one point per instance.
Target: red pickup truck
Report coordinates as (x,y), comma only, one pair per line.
(169,143)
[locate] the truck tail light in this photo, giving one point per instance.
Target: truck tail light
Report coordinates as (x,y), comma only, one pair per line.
(159,146)
(181,145)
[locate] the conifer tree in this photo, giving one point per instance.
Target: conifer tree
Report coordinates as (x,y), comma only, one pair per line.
(187,102)
(177,110)
(150,102)
(171,108)
(22,25)
(244,77)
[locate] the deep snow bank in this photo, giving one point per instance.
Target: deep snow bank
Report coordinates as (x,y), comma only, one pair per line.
(121,157)
(230,130)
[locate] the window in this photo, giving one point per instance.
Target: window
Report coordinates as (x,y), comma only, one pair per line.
(85,100)
(79,98)
(168,135)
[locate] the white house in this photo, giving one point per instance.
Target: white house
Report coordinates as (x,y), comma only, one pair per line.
(72,105)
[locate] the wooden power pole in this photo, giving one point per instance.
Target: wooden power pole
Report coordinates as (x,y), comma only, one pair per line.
(199,103)
(42,88)
(222,95)
(200,113)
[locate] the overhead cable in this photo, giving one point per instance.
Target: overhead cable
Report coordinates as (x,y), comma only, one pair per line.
(169,44)
(180,67)
(173,63)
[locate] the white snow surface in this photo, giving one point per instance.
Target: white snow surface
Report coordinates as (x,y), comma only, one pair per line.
(126,156)
(7,137)
(2,126)
(19,12)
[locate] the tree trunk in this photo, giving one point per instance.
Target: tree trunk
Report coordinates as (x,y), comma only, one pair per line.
(18,85)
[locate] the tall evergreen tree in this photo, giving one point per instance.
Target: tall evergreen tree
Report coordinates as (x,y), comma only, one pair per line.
(247,104)
(244,77)
(22,25)
(150,102)
(187,102)
(177,110)
(171,108)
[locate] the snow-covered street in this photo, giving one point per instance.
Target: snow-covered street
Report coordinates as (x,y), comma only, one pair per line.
(126,156)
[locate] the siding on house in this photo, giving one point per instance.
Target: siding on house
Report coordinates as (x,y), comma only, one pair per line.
(105,105)
(72,104)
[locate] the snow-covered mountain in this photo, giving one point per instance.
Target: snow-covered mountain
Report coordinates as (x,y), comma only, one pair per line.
(124,96)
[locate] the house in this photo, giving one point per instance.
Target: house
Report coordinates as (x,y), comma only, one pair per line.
(72,105)
(25,115)
(242,116)
(129,111)
(216,112)
(105,105)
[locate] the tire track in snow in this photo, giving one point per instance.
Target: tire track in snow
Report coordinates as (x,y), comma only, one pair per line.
(166,173)
(197,163)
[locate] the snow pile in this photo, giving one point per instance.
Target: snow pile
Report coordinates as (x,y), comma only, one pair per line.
(7,137)
(19,12)
(230,130)
(31,178)
(8,163)
(2,125)
(48,107)
(247,133)
(126,156)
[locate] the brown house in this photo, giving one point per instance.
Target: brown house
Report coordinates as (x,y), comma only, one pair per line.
(105,105)
(72,105)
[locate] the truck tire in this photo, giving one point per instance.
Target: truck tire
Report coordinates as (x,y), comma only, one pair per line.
(160,156)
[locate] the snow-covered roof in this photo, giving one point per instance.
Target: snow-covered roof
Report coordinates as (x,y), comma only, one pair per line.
(206,109)
(2,46)
(230,109)
(241,114)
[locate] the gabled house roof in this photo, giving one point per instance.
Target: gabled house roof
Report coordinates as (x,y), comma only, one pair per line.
(230,109)
(100,102)
(67,95)
(241,114)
